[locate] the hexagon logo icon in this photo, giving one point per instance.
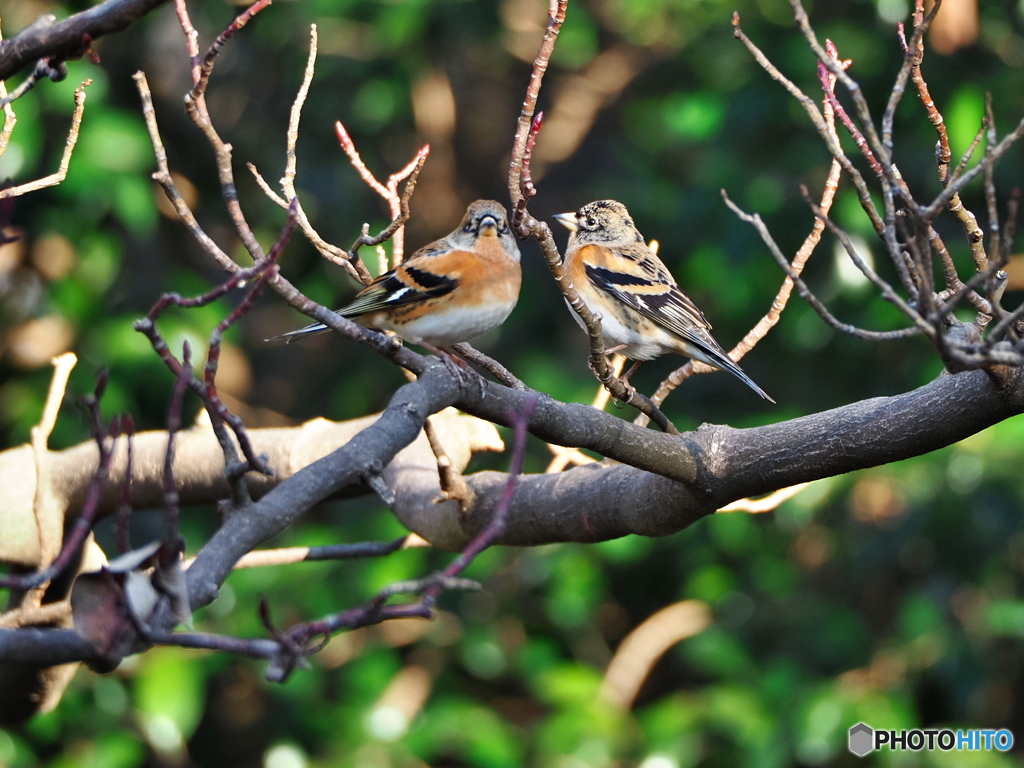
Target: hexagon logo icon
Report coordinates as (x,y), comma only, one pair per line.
(861,739)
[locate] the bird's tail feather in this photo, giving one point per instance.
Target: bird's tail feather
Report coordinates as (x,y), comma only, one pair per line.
(724,363)
(291,336)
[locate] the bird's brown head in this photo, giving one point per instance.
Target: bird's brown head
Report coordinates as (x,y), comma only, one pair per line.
(605,222)
(485,218)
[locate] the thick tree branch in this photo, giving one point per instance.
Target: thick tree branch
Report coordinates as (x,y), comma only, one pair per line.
(599,502)
(676,479)
(366,453)
(70,38)
(199,467)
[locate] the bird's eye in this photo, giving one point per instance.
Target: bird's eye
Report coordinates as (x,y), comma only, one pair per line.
(468,228)
(591,222)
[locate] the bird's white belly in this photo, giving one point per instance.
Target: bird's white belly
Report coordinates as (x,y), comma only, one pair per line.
(644,340)
(454,325)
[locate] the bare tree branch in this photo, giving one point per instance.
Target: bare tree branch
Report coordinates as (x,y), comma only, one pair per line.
(70,38)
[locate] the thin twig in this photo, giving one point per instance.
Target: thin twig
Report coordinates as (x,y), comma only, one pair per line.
(521,190)
(163,177)
(69,147)
(191,39)
(500,372)
(398,205)
(329,251)
(288,650)
(527,127)
(805,292)
(289,555)
(195,107)
(453,485)
(774,314)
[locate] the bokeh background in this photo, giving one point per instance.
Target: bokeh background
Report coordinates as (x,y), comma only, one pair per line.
(892,596)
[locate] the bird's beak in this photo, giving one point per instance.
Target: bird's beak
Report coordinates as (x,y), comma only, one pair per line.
(488,226)
(567,220)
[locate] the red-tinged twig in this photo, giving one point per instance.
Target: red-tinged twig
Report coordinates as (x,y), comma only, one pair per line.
(908,235)
(526,179)
(953,281)
(398,205)
(914,53)
(828,86)
(886,175)
(521,189)
(525,128)
(206,68)
(820,125)
(122,526)
(328,250)
(911,51)
(856,92)
(356,159)
(383,344)
(884,227)
(75,537)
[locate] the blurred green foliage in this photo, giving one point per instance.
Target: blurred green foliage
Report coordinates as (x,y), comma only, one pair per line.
(892,596)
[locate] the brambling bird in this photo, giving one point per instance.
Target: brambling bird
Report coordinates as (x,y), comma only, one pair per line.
(644,313)
(447,292)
